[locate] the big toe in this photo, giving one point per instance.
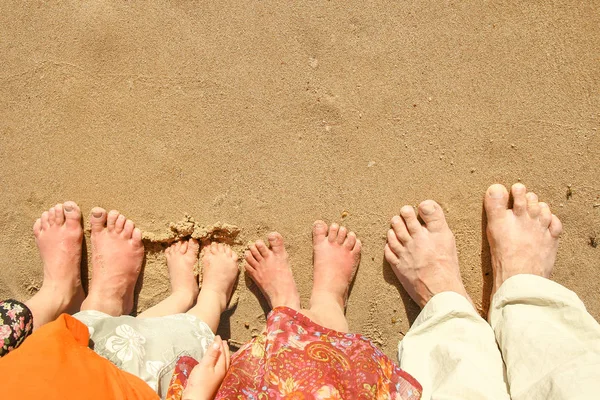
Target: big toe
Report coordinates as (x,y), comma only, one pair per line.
(193,246)
(276,243)
(319,231)
(433,215)
(72,214)
(98,219)
(496,201)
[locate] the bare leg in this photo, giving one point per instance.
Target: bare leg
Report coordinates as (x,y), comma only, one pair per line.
(336,255)
(181,258)
(219,273)
(117,256)
(270,269)
(58,235)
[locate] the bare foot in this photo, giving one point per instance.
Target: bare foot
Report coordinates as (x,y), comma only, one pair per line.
(58,235)
(219,274)
(270,269)
(117,256)
(182,256)
(336,255)
(424,257)
(524,239)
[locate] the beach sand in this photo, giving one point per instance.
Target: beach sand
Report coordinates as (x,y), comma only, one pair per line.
(269,115)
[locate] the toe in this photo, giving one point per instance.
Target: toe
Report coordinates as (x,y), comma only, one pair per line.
(390,256)
(51,216)
(262,248)
(393,242)
(357,247)
(496,201)
(98,219)
(194,246)
(137,235)
(128,229)
(45,223)
(276,243)
(120,224)
(433,216)
(255,253)
(59,214)
(533,206)
(399,227)
(556,227)
(111,220)
(221,247)
(227,250)
(37,226)
(214,248)
(545,214)
(518,192)
(342,234)
(252,262)
(333,232)
(350,241)
(184,247)
(410,219)
(72,213)
(319,231)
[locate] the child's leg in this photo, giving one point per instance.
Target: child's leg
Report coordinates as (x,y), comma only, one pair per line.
(219,274)
(181,258)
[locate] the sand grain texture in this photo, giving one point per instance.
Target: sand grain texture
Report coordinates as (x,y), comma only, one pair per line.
(268,115)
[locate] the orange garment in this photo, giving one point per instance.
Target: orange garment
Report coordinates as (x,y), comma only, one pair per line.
(56,363)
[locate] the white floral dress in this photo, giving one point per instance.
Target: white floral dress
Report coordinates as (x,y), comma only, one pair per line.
(147,347)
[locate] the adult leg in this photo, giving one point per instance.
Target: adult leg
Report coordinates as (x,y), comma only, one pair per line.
(219,274)
(117,256)
(449,349)
(58,235)
(336,255)
(182,256)
(550,344)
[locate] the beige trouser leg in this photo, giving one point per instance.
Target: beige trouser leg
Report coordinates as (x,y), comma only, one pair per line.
(452,352)
(550,344)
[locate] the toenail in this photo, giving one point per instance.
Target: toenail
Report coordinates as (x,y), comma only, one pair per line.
(68,208)
(496,192)
(97,214)
(428,209)
(395,219)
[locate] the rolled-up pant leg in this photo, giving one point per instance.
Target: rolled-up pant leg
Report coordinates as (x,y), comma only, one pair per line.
(452,352)
(549,342)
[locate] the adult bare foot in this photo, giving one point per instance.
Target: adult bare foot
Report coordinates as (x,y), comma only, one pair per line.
(336,255)
(424,257)
(270,269)
(219,274)
(117,256)
(524,239)
(58,235)
(182,256)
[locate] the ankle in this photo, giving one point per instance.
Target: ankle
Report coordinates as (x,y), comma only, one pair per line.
(214,298)
(324,296)
(184,298)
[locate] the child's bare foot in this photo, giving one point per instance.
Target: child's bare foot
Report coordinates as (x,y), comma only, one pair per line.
(270,269)
(336,255)
(182,256)
(117,256)
(219,275)
(58,235)
(524,239)
(424,257)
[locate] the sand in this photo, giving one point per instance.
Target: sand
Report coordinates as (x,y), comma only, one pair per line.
(268,115)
